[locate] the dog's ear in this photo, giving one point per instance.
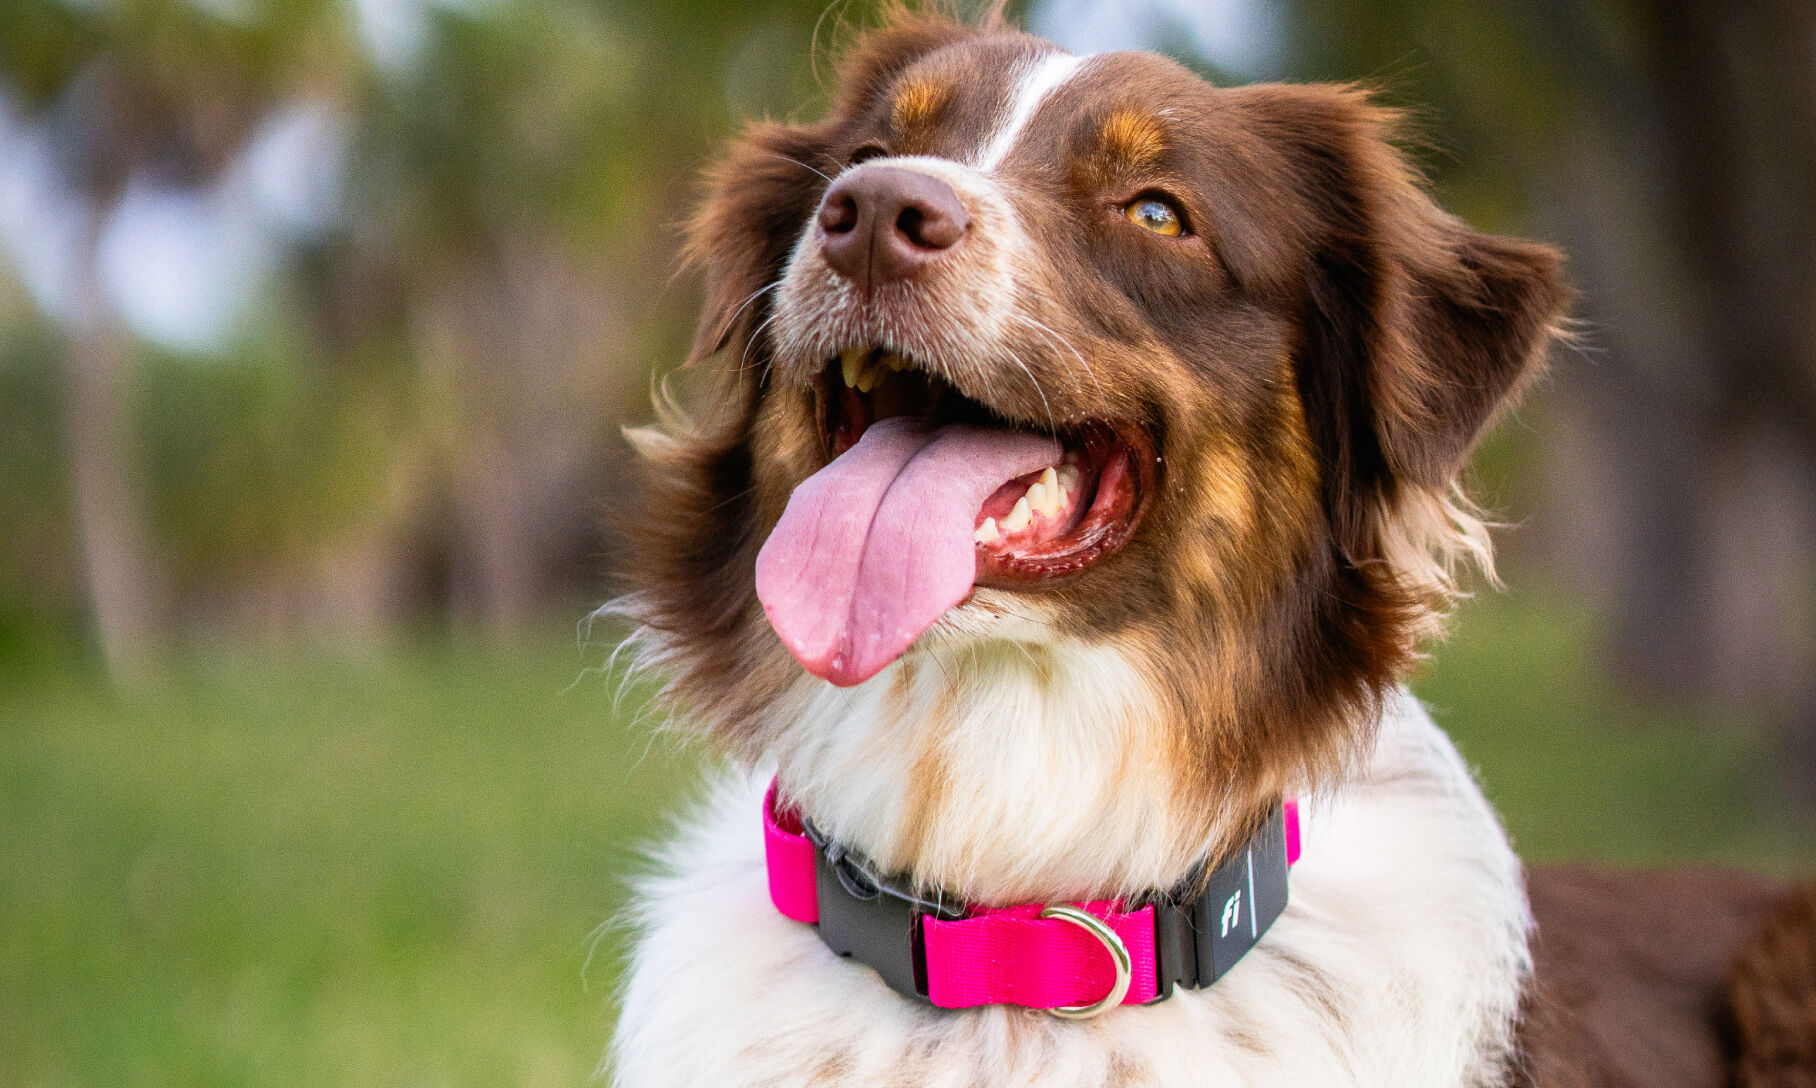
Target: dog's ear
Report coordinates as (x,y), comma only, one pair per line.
(761,195)
(1418,327)
(758,198)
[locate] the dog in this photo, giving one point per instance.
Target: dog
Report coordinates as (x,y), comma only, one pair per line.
(1079,487)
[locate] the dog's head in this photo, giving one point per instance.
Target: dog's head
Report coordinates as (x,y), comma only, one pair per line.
(1032,352)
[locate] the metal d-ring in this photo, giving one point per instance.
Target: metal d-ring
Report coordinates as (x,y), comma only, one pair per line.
(1119,954)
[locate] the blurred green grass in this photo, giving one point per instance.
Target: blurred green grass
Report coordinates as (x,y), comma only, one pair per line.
(269,869)
(281,871)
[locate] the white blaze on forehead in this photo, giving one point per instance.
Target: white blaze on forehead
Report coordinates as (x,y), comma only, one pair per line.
(1031,90)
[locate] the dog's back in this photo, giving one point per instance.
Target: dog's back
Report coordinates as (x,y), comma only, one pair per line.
(1772,995)
(1692,978)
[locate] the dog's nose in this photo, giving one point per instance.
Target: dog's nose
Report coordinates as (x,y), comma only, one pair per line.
(879,224)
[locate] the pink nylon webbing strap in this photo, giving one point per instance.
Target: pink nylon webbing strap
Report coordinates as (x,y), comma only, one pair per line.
(1291,812)
(1012,957)
(1009,956)
(790,858)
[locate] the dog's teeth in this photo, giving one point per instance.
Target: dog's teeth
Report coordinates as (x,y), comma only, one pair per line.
(1055,495)
(867,378)
(1068,480)
(1044,496)
(987,533)
(894,361)
(1019,518)
(851,364)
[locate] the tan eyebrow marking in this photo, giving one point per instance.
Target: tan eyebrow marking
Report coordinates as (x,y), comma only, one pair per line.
(918,101)
(1133,137)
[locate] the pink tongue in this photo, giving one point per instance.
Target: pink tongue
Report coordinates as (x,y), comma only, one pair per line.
(875,547)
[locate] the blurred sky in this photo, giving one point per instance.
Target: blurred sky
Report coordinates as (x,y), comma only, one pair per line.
(184,266)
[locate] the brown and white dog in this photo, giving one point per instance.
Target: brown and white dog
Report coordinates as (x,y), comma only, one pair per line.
(1083,481)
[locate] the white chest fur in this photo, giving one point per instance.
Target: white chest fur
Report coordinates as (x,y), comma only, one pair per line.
(1398,962)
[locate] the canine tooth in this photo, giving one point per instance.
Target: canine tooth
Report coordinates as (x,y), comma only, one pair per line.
(894,361)
(851,364)
(1019,518)
(986,533)
(870,371)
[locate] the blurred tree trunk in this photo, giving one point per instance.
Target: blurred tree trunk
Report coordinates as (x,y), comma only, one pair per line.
(125,588)
(111,120)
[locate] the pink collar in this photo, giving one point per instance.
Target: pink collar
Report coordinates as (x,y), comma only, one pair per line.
(1039,957)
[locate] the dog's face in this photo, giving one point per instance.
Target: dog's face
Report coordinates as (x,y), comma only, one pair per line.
(1021,348)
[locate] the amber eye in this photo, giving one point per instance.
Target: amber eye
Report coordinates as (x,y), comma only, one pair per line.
(1155,214)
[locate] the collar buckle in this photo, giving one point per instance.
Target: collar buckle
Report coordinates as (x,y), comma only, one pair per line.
(866,915)
(1175,946)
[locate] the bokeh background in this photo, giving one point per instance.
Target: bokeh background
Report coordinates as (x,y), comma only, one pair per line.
(318,321)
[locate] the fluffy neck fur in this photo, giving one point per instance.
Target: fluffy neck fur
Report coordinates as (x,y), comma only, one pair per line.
(1002,772)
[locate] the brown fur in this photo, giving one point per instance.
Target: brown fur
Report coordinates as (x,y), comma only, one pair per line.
(919,102)
(1635,983)
(1133,137)
(1772,991)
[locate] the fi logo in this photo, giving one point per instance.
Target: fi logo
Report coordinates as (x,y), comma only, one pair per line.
(1232,913)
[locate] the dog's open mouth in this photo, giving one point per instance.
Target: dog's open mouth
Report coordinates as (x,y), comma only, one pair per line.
(1038,526)
(929,494)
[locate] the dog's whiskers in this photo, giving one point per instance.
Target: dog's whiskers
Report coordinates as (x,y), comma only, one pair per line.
(1054,337)
(753,297)
(799,163)
(1052,424)
(756,334)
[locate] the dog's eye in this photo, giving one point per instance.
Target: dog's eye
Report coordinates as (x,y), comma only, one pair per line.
(1153,213)
(866,153)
